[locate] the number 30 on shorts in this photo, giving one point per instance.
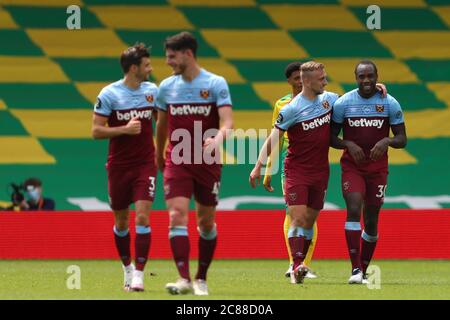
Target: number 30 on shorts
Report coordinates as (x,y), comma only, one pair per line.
(381,191)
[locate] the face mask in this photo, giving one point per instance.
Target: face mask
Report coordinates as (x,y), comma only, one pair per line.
(34,194)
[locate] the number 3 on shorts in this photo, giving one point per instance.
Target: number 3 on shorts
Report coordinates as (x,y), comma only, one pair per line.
(381,191)
(152,184)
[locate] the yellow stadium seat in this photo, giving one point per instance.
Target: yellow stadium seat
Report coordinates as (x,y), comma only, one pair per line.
(44,123)
(313,17)
(254,44)
(23,150)
(142,17)
(416,44)
(389,70)
(85,43)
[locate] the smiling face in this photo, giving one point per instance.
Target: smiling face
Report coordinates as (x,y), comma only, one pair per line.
(178,60)
(366,77)
(143,70)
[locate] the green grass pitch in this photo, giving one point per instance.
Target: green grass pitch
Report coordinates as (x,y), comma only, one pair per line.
(228,279)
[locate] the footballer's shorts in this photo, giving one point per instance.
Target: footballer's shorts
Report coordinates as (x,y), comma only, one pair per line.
(127,185)
(306,190)
(202,181)
(313,196)
(372,185)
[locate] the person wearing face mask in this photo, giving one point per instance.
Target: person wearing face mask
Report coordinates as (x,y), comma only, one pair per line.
(34,201)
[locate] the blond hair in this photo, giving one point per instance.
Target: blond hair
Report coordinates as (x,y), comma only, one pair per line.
(311,66)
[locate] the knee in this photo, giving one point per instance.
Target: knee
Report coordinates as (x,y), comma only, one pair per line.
(296,222)
(121,223)
(206,223)
(354,212)
(142,219)
(177,217)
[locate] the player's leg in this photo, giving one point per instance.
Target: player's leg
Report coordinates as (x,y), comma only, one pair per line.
(353,190)
(179,243)
(376,187)
(206,193)
(206,245)
(144,187)
(142,243)
(120,198)
(300,236)
(122,242)
(301,229)
(286,226)
(369,236)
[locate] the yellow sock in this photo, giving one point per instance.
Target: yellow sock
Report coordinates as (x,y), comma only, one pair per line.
(312,246)
(287,224)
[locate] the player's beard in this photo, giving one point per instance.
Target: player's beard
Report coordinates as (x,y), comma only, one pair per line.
(179,69)
(141,77)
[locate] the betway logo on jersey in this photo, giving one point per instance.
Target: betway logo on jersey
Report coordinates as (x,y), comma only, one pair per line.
(318,122)
(363,122)
(127,116)
(187,109)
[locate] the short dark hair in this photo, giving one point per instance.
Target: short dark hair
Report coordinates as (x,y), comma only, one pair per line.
(182,41)
(291,68)
(35,182)
(133,55)
(367,62)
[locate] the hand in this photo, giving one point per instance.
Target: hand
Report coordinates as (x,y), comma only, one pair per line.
(209,145)
(211,151)
(255,176)
(266,183)
(356,152)
(133,127)
(160,163)
(379,149)
(382,89)
(24,205)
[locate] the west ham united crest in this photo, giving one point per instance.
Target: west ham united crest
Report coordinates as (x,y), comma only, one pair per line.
(166,189)
(149,98)
(346,185)
(293,196)
(379,107)
(204,93)
(325,104)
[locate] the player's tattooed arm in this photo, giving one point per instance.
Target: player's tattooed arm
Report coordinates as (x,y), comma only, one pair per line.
(398,141)
(271,142)
(100,130)
(161,139)
(355,151)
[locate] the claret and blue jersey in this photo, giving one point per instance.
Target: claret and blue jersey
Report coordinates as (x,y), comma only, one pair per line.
(307,123)
(120,104)
(366,121)
(193,105)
